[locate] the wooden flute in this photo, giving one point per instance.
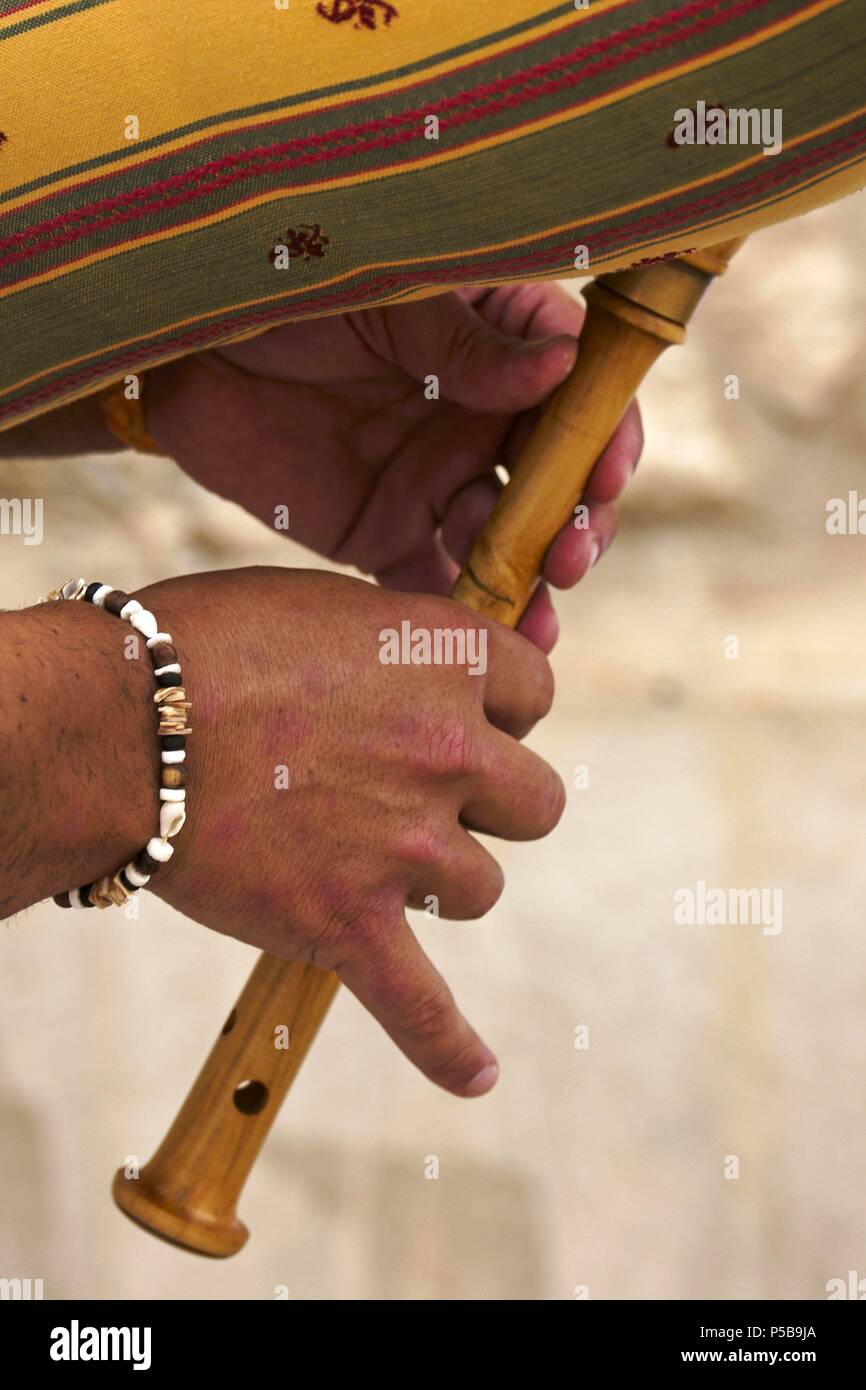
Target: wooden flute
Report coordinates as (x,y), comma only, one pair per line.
(189,1190)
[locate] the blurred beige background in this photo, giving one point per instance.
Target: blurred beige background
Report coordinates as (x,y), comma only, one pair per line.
(601,1167)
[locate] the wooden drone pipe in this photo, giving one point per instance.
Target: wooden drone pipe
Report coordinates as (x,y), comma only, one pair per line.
(189,1190)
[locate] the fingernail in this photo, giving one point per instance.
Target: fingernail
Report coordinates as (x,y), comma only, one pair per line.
(594,554)
(483,1081)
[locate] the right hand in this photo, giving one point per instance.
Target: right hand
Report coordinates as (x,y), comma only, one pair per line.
(388,767)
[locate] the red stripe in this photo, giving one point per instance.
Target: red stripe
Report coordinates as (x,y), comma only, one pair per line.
(257,166)
(478,271)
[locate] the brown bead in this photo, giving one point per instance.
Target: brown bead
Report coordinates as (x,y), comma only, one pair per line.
(145,864)
(163,654)
(173,776)
(115,601)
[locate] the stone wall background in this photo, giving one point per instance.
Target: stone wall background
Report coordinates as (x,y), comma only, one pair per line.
(602,1167)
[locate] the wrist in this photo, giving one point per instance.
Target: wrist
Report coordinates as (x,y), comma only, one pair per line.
(79,767)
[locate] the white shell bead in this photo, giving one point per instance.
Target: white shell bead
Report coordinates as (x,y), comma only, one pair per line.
(172,815)
(74,897)
(136,876)
(174,668)
(101,594)
(144,622)
(133,606)
(172,756)
(159,850)
(172,794)
(159,637)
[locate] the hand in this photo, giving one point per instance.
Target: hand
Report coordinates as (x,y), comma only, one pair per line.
(389,768)
(329,418)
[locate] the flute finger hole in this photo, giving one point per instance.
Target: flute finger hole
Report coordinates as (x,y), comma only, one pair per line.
(250,1097)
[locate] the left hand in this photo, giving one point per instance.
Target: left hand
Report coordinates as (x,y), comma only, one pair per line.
(329,418)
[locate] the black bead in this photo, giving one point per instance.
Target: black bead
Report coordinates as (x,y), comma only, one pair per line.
(173,743)
(168,679)
(130,887)
(62,899)
(91,590)
(84,895)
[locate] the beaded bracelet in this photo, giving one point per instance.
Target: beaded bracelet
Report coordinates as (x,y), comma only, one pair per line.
(173,706)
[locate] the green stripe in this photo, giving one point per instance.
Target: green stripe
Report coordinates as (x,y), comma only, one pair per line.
(112,363)
(36,21)
(284,103)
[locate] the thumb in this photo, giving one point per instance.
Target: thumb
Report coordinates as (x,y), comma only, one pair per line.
(475,364)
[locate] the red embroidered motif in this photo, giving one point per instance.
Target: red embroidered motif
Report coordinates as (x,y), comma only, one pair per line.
(305,242)
(366,13)
(657,260)
(708,106)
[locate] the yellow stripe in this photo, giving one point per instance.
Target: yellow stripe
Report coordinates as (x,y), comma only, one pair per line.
(476,147)
(171,66)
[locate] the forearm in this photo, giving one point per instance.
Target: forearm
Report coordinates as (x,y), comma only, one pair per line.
(78,753)
(78,428)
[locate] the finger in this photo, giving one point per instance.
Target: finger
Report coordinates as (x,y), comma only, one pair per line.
(429,570)
(477,366)
(461,885)
(519,687)
(532,310)
(518,796)
(539,624)
(577,549)
(618,461)
(393,978)
(467,514)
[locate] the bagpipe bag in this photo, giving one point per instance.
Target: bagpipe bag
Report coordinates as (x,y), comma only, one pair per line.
(177,176)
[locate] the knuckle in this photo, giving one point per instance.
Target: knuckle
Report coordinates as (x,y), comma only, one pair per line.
(447,747)
(428,1016)
(423,845)
(452,1062)
(350,924)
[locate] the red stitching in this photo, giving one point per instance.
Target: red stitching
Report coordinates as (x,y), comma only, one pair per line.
(477,271)
(260,160)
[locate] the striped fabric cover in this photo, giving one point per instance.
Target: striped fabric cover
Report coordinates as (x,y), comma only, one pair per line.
(306,123)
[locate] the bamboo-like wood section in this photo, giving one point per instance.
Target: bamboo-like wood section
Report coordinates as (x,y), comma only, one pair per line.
(189,1190)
